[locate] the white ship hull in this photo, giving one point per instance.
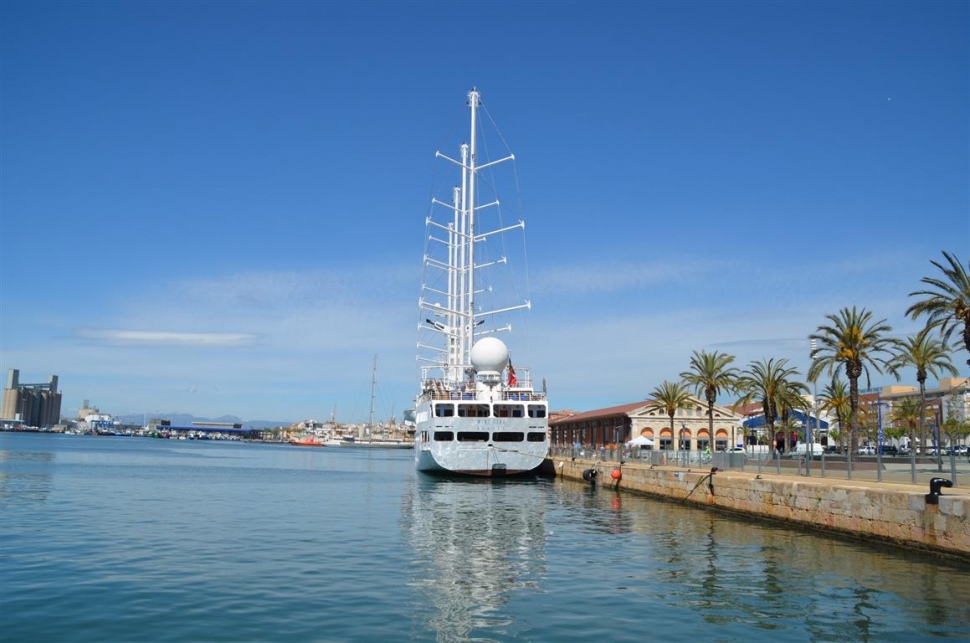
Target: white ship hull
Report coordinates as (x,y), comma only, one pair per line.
(481,446)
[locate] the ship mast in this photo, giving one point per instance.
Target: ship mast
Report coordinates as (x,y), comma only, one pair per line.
(470,170)
(373,385)
(459,314)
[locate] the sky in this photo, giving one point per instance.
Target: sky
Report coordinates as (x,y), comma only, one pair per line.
(218,208)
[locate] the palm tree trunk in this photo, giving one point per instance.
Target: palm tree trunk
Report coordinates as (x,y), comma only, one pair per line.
(922,419)
(841,421)
(966,337)
(769,422)
(853,412)
(853,378)
(673,436)
(710,422)
(912,449)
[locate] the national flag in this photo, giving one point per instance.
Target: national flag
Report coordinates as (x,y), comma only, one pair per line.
(512,380)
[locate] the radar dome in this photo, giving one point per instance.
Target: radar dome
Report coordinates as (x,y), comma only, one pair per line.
(489,354)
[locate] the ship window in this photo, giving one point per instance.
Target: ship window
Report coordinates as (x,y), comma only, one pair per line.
(444,410)
(473,436)
(537,437)
(537,411)
(507,436)
(508,410)
(473,410)
(443,436)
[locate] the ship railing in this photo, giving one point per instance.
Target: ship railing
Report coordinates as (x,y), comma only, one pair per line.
(513,395)
(436,389)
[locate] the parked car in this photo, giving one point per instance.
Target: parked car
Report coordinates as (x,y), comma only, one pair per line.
(801,450)
(833,448)
(961,449)
(867,450)
(890,449)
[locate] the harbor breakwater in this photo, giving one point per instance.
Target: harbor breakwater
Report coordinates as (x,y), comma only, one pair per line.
(899,515)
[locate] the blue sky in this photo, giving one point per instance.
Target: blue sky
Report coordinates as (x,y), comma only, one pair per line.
(218,208)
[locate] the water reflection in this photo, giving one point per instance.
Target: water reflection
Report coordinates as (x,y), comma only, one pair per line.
(743,576)
(476,545)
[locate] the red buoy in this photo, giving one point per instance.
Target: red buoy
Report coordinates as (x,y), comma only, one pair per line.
(616,474)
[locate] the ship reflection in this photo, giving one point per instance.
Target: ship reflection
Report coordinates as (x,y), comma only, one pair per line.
(476,544)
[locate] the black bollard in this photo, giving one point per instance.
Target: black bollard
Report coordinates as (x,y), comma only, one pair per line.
(933,497)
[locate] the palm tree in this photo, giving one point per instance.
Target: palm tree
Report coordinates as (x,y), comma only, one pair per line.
(854,343)
(792,398)
(929,356)
(946,302)
(710,374)
(669,397)
(908,412)
(834,398)
(955,425)
(768,382)
(896,432)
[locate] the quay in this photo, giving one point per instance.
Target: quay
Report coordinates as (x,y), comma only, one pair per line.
(902,515)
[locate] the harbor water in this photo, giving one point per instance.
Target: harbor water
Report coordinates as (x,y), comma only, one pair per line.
(125,539)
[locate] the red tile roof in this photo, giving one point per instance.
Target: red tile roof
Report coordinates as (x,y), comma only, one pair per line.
(612,411)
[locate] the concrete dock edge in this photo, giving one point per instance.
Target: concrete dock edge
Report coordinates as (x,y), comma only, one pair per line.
(898,515)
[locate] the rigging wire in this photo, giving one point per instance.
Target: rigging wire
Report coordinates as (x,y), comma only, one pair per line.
(433,278)
(527,295)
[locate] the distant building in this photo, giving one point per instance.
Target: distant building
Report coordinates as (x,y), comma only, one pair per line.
(87,410)
(950,399)
(31,404)
(616,425)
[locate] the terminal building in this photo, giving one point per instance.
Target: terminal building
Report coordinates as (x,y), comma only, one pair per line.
(31,404)
(618,424)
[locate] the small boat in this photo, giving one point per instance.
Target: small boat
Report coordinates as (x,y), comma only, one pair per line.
(308,441)
(341,441)
(475,414)
(371,443)
(371,436)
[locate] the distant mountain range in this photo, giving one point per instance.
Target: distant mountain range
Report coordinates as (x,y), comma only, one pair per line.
(186,419)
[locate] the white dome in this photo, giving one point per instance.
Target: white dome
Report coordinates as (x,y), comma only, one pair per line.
(489,354)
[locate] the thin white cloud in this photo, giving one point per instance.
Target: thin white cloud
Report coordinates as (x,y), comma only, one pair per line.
(164,338)
(228,344)
(611,276)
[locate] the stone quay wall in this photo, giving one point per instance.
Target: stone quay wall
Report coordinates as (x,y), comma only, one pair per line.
(892,513)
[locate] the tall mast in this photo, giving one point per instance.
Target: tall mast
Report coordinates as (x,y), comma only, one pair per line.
(373,383)
(461,315)
(471,171)
(456,280)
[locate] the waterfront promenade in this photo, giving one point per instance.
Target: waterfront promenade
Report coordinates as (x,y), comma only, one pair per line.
(890,469)
(893,511)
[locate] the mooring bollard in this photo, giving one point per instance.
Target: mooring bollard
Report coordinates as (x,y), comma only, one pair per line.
(933,497)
